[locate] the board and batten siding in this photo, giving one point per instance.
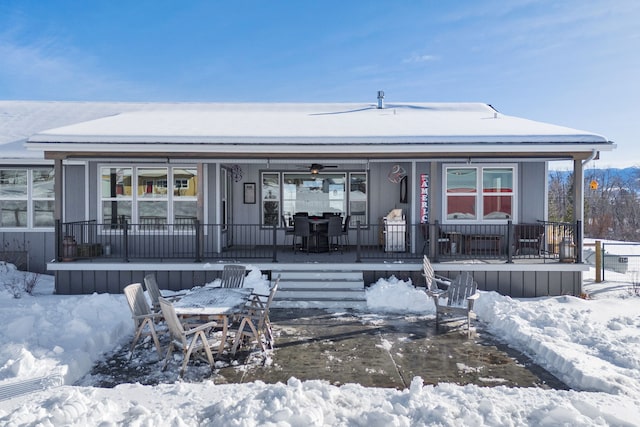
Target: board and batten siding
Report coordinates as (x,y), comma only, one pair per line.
(512,280)
(29,250)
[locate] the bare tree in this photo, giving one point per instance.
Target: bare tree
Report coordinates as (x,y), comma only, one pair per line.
(560,196)
(612,206)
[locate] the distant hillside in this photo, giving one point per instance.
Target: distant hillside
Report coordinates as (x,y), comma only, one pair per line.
(625,175)
(611,209)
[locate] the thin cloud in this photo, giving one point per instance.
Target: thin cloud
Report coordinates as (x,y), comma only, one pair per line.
(416,59)
(47,68)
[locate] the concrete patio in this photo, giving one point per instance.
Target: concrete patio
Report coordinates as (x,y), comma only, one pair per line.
(368,349)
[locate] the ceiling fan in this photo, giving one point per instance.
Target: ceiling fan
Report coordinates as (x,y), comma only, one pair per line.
(314,168)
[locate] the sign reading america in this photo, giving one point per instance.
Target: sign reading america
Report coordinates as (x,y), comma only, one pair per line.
(424,198)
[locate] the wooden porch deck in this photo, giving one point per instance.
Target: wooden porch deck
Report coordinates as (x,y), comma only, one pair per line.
(525,276)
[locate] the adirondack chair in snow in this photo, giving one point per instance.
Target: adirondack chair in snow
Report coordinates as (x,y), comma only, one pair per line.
(433,281)
(456,302)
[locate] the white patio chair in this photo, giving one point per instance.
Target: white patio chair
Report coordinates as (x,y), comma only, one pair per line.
(233,276)
(255,324)
(263,302)
(191,341)
(143,318)
(155,293)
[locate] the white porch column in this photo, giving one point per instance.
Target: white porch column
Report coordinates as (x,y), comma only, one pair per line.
(217,218)
(578,194)
(200,205)
(200,193)
(58,180)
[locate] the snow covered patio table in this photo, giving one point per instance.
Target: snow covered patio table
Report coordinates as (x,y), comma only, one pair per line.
(214,303)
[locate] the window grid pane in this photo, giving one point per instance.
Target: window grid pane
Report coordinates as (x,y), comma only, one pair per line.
(152,183)
(43,213)
(185,182)
(462,180)
(13,183)
(42,184)
(13,213)
(497,207)
(461,207)
(116,182)
(495,180)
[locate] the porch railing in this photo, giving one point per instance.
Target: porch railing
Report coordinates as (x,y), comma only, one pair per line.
(393,242)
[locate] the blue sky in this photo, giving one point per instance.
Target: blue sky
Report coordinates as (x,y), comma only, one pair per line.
(574,63)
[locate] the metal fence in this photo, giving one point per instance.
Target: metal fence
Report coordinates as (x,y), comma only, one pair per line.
(620,262)
(389,241)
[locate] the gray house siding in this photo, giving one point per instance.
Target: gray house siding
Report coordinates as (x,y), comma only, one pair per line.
(532,190)
(114,281)
(383,194)
(526,284)
(29,250)
(513,281)
(75,190)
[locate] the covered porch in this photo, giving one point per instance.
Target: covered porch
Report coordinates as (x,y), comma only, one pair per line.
(184,192)
(104,259)
(541,242)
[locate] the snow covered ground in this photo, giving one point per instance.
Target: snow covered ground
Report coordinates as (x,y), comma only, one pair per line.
(593,345)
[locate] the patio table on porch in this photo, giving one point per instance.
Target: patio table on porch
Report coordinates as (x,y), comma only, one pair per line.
(214,303)
(320,239)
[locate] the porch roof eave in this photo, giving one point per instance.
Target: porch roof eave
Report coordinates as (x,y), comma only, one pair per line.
(566,150)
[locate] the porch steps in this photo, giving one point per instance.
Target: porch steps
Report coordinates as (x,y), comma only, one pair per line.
(319,289)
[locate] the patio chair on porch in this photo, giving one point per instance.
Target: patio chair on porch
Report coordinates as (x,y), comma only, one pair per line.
(529,239)
(233,276)
(288,231)
(191,341)
(444,243)
(302,229)
(344,235)
(255,324)
(143,318)
(334,231)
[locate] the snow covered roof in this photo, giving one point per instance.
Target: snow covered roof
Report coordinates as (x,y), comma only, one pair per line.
(293,128)
(21,119)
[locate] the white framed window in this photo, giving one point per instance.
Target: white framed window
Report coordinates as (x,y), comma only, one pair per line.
(314,194)
(270,199)
(358,199)
(285,193)
(479,193)
(140,195)
(26,198)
